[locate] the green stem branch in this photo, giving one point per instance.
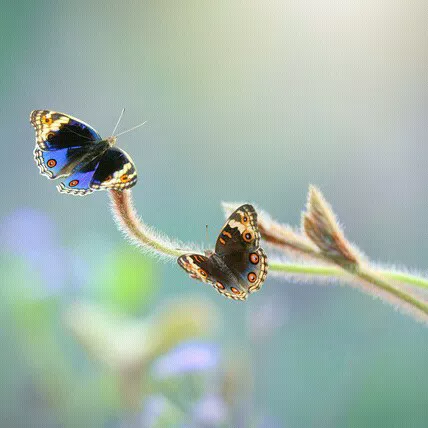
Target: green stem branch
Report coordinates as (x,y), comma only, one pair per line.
(377,278)
(337,272)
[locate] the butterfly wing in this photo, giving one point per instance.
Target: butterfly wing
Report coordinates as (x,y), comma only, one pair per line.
(208,269)
(116,170)
(58,130)
(58,163)
(238,247)
(250,267)
(240,232)
(79,182)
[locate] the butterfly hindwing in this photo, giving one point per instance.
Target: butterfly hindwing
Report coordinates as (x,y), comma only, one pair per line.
(57,163)
(79,182)
(249,266)
(116,170)
(58,130)
(197,266)
(207,269)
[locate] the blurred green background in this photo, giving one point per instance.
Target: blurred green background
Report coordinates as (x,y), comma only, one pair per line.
(245,101)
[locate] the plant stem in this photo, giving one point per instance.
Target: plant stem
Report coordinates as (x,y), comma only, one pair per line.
(376,278)
(406,278)
(304,269)
(337,272)
(135,229)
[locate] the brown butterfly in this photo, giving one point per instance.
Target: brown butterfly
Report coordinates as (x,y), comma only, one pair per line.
(238,266)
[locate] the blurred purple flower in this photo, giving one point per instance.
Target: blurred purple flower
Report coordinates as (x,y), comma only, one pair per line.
(153,408)
(187,358)
(158,411)
(27,231)
(32,235)
(211,411)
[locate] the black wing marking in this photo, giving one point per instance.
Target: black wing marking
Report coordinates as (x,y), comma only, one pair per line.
(116,170)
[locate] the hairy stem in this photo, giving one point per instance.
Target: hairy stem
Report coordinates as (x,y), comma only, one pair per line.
(373,278)
(135,229)
(337,272)
(380,283)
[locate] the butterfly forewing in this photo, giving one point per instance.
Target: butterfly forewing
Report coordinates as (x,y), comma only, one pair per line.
(116,170)
(58,130)
(240,232)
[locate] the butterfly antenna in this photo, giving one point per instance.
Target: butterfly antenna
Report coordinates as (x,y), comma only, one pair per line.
(131,129)
(206,236)
(118,121)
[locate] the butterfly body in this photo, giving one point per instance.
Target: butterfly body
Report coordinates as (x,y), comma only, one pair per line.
(68,147)
(238,266)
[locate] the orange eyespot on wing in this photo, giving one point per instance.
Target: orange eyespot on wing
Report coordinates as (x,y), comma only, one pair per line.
(219,285)
(247,235)
(252,277)
(254,258)
(47,120)
(245,220)
(124,178)
(73,183)
(51,163)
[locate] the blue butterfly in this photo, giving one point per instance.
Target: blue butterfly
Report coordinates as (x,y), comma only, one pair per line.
(68,147)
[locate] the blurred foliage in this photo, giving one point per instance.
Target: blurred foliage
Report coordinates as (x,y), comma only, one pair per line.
(126,280)
(136,365)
